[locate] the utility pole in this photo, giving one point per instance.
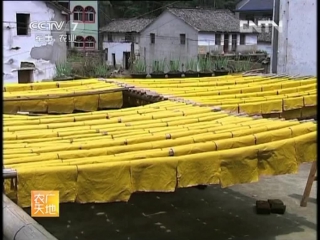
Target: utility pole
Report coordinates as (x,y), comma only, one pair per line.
(132,50)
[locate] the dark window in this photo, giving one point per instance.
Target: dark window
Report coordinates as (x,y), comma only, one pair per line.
(78,13)
(152,38)
(182,39)
(218,39)
(127,37)
(242,39)
(23,21)
(89,14)
(234,42)
(79,42)
(90,42)
(110,37)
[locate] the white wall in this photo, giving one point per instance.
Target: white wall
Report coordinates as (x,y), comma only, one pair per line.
(265,47)
(251,39)
(38,11)
(297,43)
(118,46)
(206,39)
(206,43)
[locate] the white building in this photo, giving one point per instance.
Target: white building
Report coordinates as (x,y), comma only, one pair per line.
(120,38)
(43,48)
(296,51)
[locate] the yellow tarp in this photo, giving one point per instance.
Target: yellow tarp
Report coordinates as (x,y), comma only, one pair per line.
(157,147)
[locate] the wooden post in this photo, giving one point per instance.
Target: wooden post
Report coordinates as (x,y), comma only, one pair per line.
(312,177)
(18,225)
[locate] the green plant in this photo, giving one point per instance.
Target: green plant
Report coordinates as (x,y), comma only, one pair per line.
(262,51)
(242,66)
(100,70)
(205,64)
(138,66)
(174,66)
(191,65)
(221,63)
(63,69)
(158,66)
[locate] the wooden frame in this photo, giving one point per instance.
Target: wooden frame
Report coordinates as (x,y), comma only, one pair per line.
(312,177)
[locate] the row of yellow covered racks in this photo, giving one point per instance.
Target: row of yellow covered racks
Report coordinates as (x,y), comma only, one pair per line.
(105,156)
(61,97)
(255,95)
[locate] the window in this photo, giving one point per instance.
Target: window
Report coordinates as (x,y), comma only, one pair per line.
(78,13)
(90,42)
(242,39)
(152,38)
(23,21)
(217,39)
(79,42)
(182,39)
(89,14)
(110,39)
(128,37)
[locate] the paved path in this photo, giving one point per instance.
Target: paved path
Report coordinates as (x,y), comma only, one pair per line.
(193,214)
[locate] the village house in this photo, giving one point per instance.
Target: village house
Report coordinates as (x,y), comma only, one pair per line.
(121,39)
(40,48)
(183,34)
(255,10)
(85,14)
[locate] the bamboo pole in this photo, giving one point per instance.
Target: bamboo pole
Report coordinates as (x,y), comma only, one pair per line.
(9,173)
(18,225)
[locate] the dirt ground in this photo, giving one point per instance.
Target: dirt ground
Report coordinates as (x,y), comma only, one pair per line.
(193,214)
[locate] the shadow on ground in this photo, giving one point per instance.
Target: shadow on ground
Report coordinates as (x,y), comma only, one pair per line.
(188,214)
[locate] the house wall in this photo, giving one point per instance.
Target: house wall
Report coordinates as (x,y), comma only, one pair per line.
(167,29)
(86,29)
(206,43)
(118,47)
(256,15)
(265,47)
(33,47)
(297,43)
(250,43)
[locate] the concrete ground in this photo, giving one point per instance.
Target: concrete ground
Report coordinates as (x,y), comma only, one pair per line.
(193,214)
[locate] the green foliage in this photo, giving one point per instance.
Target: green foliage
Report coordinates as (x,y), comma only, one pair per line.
(128,9)
(205,64)
(174,66)
(191,65)
(158,66)
(63,69)
(138,66)
(220,63)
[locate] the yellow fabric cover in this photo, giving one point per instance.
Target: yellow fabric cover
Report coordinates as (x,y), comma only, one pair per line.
(60,178)
(239,166)
(278,157)
(110,100)
(96,183)
(60,105)
(86,103)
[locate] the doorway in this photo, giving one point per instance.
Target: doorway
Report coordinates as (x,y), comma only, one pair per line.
(234,43)
(126,60)
(226,43)
(114,60)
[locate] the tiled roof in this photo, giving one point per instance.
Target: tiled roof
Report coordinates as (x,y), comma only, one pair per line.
(255,5)
(127,25)
(265,36)
(208,20)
